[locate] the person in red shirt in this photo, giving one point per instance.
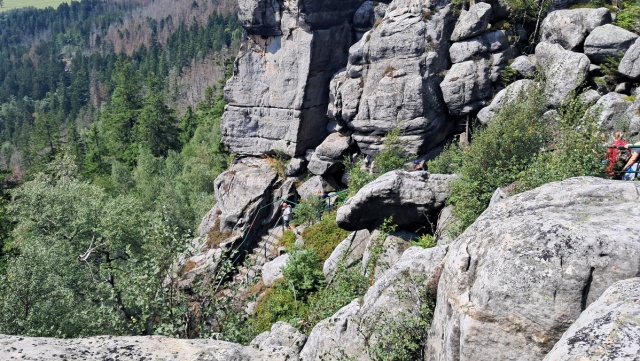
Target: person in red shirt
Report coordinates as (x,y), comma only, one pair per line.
(612,153)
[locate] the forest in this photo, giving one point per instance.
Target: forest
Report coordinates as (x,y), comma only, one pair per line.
(105,169)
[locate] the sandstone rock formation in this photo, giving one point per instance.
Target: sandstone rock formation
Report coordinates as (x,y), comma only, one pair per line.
(509,94)
(516,279)
(282,339)
(394,299)
(630,63)
(410,197)
(272,271)
(608,41)
(569,28)
(349,251)
(607,330)
(392,79)
(278,95)
(564,71)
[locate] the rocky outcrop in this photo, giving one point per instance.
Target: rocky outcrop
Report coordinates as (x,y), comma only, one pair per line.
(630,63)
(506,95)
(383,251)
(278,95)
(283,339)
(239,193)
(569,28)
(411,198)
(608,41)
(328,156)
(467,86)
(610,109)
(517,278)
(472,22)
(523,66)
(393,301)
(272,270)
(392,76)
(609,329)
(129,348)
(564,71)
(348,252)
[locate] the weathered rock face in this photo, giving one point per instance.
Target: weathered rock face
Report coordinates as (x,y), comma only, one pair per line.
(328,155)
(283,339)
(608,41)
(395,298)
(630,63)
(410,197)
(508,94)
(523,66)
(392,76)
(516,279)
(467,86)
(239,193)
(387,250)
(569,28)
(128,348)
(272,271)
(612,317)
(564,71)
(472,22)
(349,251)
(611,110)
(278,95)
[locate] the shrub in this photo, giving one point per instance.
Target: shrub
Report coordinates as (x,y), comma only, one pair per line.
(498,154)
(447,162)
(303,273)
(277,304)
(308,211)
(288,240)
(629,17)
(324,236)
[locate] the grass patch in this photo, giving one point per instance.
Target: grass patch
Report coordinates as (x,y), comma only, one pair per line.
(324,236)
(288,240)
(39,4)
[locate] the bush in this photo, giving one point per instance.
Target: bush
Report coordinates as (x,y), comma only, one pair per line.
(277,304)
(308,211)
(324,236)
(448,162)
(288,240)
(498,154)
(303,273)
(629,17)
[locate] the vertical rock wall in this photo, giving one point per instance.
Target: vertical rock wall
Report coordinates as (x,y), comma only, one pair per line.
(278,95)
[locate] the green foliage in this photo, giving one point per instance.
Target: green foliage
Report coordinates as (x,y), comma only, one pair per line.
(309,210)
(303,272)
(611,77)
(629,17)
(447,162)
(499,154)
(508,75)
(404,338)
(376,248)
(324,236)
(358,176)
(425,241)
(288,240)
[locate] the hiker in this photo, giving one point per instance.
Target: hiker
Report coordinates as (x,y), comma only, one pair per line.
(617,158)
(631,167)
(286,215)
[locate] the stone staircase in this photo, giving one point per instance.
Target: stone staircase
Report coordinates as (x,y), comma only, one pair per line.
(264,251)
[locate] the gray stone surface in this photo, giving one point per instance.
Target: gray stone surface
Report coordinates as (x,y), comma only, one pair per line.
(564,71)
(472,22)
(467,86)
(608,41)
(272,270)
(506,95)
(328,156)
(314,187)
(281,339)
(295,166)
(523,66)
(490,42)
(102,348)
(239,192)
(630,63)
(391,79)
(410,197)
(609,329)
(393,299)
(569,28)
(610,110)
(387,251)
(349,251)
(517,278)
(260,17)
(279,94)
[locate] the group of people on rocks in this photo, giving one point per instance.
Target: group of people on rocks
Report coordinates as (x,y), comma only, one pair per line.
(623,158)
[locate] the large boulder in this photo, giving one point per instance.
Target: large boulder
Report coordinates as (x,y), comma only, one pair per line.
(129,348)
(609,329)
(472,22)
(348,252)
(383,251)
(517,278)
(328,155)
(278,96)
(506,95)
(608,41)
(239,193)
(467,86)
(391,79)
(630,63)
(569,28)
(564,71)
(272,270)
(611,110)
(411,198)
(282,339)
(396,299)
(523,66)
